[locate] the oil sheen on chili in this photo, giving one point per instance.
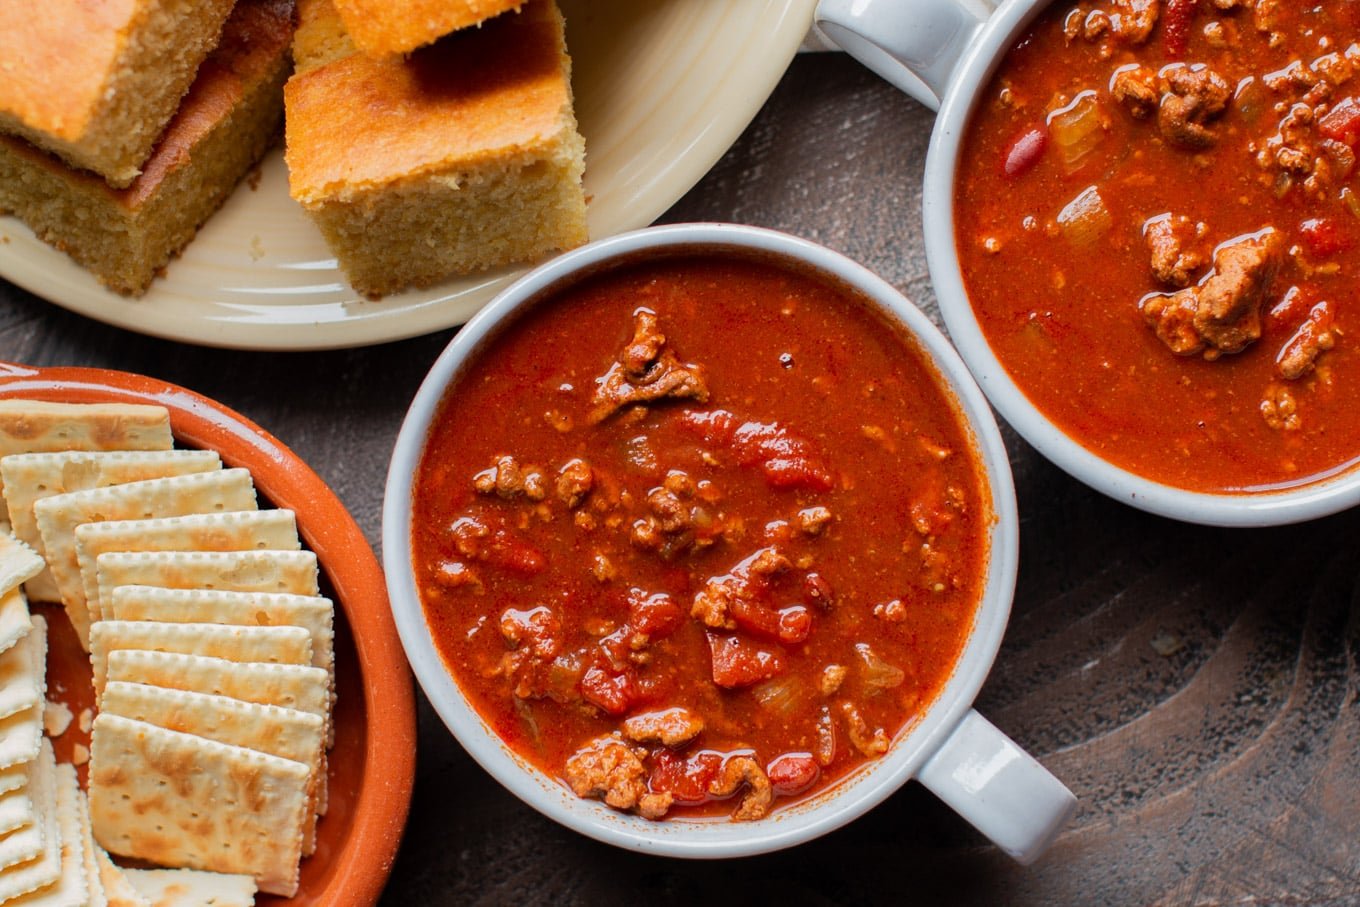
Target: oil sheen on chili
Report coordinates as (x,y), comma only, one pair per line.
(1158,210)
(700,536)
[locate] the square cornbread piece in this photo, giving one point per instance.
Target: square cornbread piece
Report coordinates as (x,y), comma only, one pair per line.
(397,26)
(224,125)
(461,157)
(98,82)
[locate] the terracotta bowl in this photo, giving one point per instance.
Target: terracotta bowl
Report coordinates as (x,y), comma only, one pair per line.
(372,766)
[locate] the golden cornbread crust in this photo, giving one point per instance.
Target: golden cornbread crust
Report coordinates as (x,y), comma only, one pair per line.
(96,81)
(461,157)
(381,27)
(223,127)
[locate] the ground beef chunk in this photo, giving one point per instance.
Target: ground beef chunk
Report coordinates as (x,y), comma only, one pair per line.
(1129,21)
(1133,20)
(744,586)
(509,479)
(1177,248)
(1223,313)
(574,481)
(481,540)
(812,520)
(607,767)
(1280,409)
(1266,16)
(740,770)
(669,727)
(647,370)
(1317,80)
(870,742)
(1194,96)
(1298,153)
(1315,336)
(677,520)
(534,638)
(1138,89)
(833,676)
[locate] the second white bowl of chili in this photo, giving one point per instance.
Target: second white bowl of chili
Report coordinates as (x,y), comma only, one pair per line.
(1138,219)
(701,540)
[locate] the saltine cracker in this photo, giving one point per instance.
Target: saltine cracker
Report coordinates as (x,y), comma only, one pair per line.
(29,478)
(246,530)
(292,572)
(71,888)
(58,517)
(180,800)
(292,686)
(279,645)
(36,426)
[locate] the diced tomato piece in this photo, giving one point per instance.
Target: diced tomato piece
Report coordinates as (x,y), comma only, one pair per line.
(687,779)
(615,649)
(795,624)
(503,549)
(1176,23)
(787,460)
(613,693)
(738,662)
(655,615)
(1024,151)
(790,625)
(793,773)
(1342,122)
(930,513)
(1289,311)
(754,618)
(1324,237)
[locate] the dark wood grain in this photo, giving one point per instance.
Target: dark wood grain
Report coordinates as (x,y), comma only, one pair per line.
(1197,688)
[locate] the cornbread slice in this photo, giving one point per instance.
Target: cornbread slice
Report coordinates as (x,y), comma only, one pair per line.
(224,125)
(98,82)
(396,26)
(461,157)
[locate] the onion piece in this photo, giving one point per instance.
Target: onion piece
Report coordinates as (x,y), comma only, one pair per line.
(781,695)
(1077,130)
(878,674)
(1351,199)
(1085,219)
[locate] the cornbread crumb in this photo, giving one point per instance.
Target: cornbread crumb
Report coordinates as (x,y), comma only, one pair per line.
(462,157)
(56,718)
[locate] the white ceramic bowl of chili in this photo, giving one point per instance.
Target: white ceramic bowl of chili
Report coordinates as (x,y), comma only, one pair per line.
(952,749)
(944,53)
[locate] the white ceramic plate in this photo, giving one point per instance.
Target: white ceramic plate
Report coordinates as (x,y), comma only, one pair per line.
(663,88)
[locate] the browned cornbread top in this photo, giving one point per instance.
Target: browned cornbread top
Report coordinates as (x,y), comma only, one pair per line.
(97,81)
(254,39)
(363,122)
(56,62)
(381,27)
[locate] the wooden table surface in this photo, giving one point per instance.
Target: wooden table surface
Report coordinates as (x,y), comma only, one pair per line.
(1196,688)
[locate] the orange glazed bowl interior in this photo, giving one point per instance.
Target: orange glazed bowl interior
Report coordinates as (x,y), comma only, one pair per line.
(372,765)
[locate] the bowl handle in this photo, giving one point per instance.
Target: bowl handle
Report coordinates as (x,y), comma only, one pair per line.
(913,45)
(999,788)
